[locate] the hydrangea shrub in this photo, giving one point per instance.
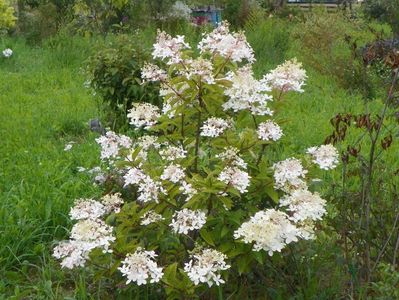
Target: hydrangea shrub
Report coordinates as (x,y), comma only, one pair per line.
(201,200)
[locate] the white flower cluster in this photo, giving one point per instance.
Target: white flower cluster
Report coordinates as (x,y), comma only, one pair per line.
(188,190)
(173,173)
(201,68)
(206,267)
(112,203)
(151,217)
(172,153)
(232,46)
(143,115)
(233,174)
(7,52)
(235,177)
(148,189)
(230,157)
(289,175)
(270,230)
(145,143)
(140,267)
(247,93)
(168,48)
(90,232)
(87,209)
(151,72)
(269,131)
(304,205)
(213,127)
(287,77)
(111,143)
(325,156)
(187,220)
(85,236)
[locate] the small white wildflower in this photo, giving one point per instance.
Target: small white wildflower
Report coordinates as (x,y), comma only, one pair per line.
(269,230)
(173,173)
(140,267)
(206,266)
(7,52)
(187,220)
(235,177)
(151,217)
(213,127)
(325,156)
(269,131)
(68,146)
(143,115)
(81,169)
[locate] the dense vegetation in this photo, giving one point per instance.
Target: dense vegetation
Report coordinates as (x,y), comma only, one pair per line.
(67,68)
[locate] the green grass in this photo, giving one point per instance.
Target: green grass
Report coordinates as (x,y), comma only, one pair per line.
(44,105)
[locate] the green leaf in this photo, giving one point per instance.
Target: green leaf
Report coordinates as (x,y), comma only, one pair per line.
(206,235)
(169,276)
(244,263)
(272,193)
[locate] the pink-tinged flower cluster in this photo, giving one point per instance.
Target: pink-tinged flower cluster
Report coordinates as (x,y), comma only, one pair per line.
(229,45)
(111,143)
(141,268)
(169,49)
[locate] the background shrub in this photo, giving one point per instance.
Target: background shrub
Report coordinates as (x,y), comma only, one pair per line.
(7,18)
(115,74)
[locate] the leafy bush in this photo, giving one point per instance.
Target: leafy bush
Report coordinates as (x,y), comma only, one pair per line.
(38,23)
(200,194)
(114,73)
(385,11)
(367,212)
(7,18)
(331,43)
